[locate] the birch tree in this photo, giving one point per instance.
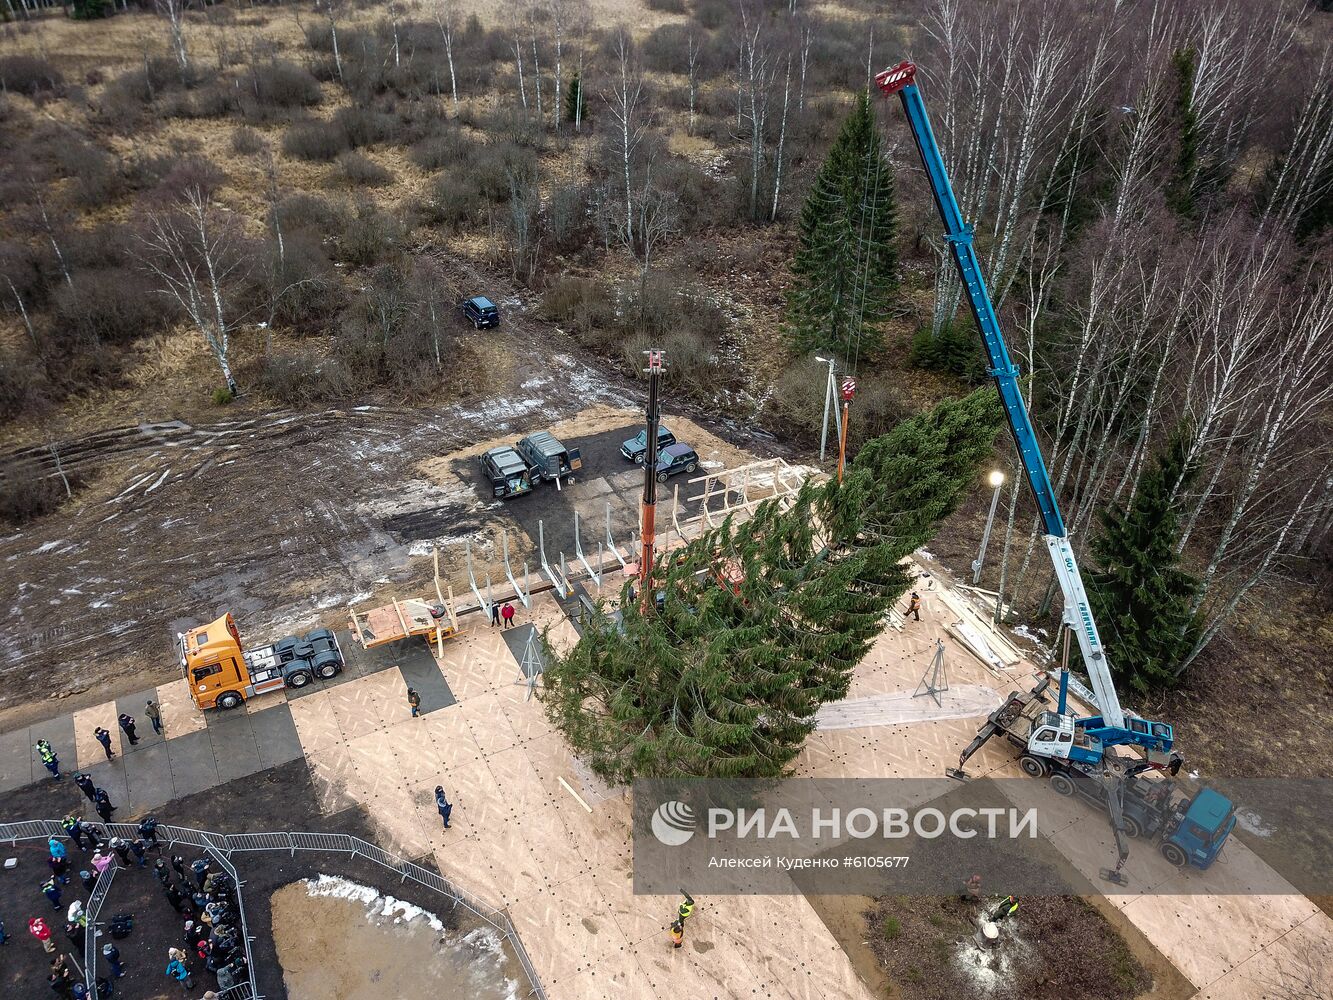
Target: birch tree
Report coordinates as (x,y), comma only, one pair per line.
(174,12)
(1303,175)
(625,101)
(198,259)
(444,20)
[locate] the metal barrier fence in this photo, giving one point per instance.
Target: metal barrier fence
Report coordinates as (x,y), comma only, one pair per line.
(95,900)
(222,846)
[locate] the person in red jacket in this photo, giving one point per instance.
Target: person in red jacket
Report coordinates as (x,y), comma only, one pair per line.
(38,929)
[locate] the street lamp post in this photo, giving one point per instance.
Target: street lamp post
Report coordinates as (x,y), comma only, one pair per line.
(996,479)
(829,404)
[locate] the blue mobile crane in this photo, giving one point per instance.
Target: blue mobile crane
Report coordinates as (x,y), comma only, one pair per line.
(1069,748)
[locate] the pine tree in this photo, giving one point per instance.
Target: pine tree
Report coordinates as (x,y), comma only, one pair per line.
(846,267)
(1142,595)
(576,102)
(764,621)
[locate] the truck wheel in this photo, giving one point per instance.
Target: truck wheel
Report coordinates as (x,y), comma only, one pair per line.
(298,678)
(1062,784)
(1132,828)
(691,466)
(661,477)
(328,670)
(229,700)
(1033,767)
(1174,854)
(638,459)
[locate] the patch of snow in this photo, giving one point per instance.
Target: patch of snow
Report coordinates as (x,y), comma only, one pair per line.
(48,546)
(710,465)
(502,409)
(1039,637)
(482,942)
(1251,822)
(160,480)
(101,603)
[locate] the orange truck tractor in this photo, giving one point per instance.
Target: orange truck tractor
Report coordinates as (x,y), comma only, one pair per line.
(222,674)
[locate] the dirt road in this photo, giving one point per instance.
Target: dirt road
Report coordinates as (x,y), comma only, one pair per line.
(283,518)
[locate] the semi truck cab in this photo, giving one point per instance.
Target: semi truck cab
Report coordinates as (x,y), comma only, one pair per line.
(220,673)
(1200,828)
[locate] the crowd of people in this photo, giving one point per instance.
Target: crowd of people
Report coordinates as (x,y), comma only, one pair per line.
(203,899)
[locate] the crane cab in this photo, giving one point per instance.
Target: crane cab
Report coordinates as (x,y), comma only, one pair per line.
(1057,735)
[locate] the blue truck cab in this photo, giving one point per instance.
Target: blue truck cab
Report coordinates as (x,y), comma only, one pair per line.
(1199,830)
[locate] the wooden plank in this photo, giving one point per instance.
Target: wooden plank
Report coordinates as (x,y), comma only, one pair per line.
(401,620)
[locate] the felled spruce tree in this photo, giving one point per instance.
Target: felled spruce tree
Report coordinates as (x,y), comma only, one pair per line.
(764,620)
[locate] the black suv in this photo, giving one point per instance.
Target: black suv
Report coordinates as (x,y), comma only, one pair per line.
(481,312)
(507,472)
(676,458)
(636,447)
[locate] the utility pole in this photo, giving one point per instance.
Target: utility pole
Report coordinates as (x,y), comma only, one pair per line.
(848,391)
(830,403)
(648,516)
(996,479)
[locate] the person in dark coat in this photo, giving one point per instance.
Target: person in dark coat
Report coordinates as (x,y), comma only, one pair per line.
(174,896)
(102,803)
(104,738)
(160,870)
(51,889)
(127,725)
(73,830)
(443,804)
(200,871)
(94,837)
(59,868)
(112,955)
(86,785)
(148,831)
(122,850)
(138,850)
(88,879)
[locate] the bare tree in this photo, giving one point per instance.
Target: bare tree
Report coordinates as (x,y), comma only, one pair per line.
(626,103)
(692,73)
(444,18)
(198,258)
(23,311)
(50,232)
(782,139)
(1302,176)
(755,76)
(174,12)
(330,10)
(659,219)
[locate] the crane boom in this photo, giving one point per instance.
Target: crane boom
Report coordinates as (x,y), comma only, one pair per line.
(1111,727)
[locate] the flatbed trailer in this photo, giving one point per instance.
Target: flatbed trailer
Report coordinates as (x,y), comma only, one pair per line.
(408,618)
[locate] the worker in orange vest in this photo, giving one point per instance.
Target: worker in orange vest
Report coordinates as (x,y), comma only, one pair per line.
(677,933)
(914,606)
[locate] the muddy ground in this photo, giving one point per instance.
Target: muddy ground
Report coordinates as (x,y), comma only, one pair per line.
(286,517)
(1055,946)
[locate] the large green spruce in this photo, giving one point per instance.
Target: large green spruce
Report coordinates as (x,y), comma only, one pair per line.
(1141,595)
(764,620)
(846,265)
